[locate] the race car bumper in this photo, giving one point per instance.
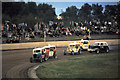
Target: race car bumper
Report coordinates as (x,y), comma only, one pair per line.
(91,50)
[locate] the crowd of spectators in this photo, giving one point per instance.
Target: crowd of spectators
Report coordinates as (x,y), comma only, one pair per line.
(81,28)
(55,29)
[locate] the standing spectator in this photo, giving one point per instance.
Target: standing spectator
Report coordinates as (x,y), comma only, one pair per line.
(55,25)
(50,24)
(42,26)
(75,24)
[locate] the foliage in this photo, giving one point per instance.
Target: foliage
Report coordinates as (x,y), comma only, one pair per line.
(46,12)
(70,14)
(90,13)
(112,12)
(97,11)
(85,12)
(30,13)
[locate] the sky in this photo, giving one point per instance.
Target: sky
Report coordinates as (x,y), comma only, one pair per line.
(61,6)
(70,0)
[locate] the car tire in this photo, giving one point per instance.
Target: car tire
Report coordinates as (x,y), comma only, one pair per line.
(107,50)
(90,51)
(54,55)
(79,52)
(97,51)
(45,58)
(31,59)
(40,60)
(64,52)
(72,53)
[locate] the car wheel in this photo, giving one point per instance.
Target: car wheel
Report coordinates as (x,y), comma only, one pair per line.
(73,53)
(97,51)
(46,58)
(79,52)
(64,52)
(31,59)
(54,55)
(90,51)
(107,50)
(40,59)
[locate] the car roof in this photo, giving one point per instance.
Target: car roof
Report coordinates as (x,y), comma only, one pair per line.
(73,43)
(38,49)
(83,40)
(49,46)
(100,42)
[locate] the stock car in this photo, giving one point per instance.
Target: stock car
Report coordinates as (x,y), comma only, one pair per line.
(38,55)
(43,54)
(50,51)
(84,44)
(73,48)
(99,47)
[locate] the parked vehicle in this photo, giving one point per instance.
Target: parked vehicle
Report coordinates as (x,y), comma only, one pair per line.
(39,54)
(50,51)
(99,47)
(84,44)
(73,48)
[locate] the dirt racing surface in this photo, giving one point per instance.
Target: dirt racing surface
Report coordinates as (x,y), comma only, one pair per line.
(15,63)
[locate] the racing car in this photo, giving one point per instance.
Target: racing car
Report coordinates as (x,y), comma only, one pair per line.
(99,47)
(84,44)
(73,48)
(50,51)
(39,55)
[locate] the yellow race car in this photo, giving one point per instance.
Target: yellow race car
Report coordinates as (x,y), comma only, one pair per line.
(73,48)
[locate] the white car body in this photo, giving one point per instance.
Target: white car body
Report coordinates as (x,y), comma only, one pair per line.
(84,46)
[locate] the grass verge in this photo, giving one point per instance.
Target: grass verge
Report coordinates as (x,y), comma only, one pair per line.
(89,66)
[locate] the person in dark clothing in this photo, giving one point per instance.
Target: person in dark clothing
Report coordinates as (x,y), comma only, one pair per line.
(75,24)
(54,26)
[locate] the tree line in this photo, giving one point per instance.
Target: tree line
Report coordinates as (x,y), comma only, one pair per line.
(30,13)
(92,12)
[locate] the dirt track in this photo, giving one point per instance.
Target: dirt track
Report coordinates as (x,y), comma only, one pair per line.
(16,63)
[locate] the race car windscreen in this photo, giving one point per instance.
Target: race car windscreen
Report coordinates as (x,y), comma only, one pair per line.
(47,48)
(72,45)
(92,46)
(85,42)
(36,51)
(52,47)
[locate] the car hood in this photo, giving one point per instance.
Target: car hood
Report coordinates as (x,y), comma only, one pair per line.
(37,53)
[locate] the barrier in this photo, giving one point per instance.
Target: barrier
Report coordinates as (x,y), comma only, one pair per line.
(41,44)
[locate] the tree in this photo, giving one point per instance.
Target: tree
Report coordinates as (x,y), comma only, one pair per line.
(71,13)
(111,11)
(32,7)
(118,14)
(97,11)
(11,8)
(46,13)
(19,12)
(85,12)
